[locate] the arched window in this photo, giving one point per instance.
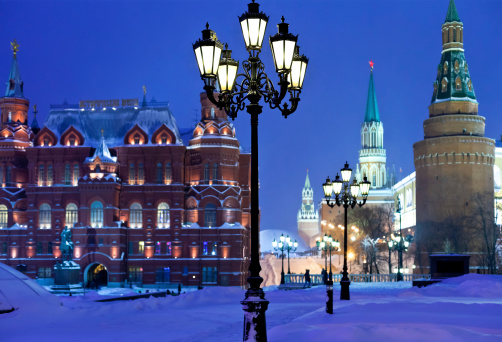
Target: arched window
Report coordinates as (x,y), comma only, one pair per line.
(49,175)
(97,169)
(454,34)
(136,216)
(457,67)
(210,215)
(96,214)
(206,172)
(163,216)
(141,174)
(136,139)
(374,178)
(132,174)
(444,84)
(44,216)
(4,216)
(75,175)
(8,175)
(71,216)
(67,174)
(159,173)
(215,171)
(169,173)
(163,139)
(40,175)
(445,67)
(458,84)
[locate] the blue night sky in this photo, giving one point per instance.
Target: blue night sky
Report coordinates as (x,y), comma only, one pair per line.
(86,50)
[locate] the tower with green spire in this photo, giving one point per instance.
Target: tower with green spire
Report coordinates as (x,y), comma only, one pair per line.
(372,155)
(308,217)
(454,161)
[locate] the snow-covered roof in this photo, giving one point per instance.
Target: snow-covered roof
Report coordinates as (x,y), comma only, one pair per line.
(103,153)
(115,123)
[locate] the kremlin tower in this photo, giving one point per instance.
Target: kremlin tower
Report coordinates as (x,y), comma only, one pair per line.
(454,161)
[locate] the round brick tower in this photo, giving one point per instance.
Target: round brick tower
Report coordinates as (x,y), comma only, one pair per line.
(454,162)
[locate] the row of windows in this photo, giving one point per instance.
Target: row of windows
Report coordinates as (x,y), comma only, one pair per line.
(46,175)
(164,174)
(97,221)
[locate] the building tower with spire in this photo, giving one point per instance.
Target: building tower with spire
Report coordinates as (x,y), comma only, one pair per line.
(372,155)
(308,218)
(454,162)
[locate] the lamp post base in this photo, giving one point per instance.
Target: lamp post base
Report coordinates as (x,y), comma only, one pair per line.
(329,303)
(282,278)
(345,292)
(399,276)
(254,306)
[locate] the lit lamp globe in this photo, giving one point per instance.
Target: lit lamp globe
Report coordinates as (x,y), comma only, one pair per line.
(364,187)
(282,238)
(298,69)
(337,185)
(328,190)
(288,239)
(207,52)
(295,244)
(283,47)
(325,237)
(227,71)
(346,173)
(253,25)
(354,188)
(274,243)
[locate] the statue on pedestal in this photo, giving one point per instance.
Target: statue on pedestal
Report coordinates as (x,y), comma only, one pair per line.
(66,244)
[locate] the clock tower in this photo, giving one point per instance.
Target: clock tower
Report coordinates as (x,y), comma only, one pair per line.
(308,218)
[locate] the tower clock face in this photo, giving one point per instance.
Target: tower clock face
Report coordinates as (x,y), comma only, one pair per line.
(307,207)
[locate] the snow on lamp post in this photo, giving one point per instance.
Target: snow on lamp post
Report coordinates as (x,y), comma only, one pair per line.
(252,86)
(345,195)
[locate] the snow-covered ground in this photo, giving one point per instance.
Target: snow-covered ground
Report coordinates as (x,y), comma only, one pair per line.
(467,308)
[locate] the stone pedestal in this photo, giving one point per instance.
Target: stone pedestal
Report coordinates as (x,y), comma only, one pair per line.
(67,278)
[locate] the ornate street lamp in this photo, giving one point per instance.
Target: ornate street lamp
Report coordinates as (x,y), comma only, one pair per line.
(284,244)
(346,196)
(400,244)
(290,246)
(239,91)
(330,244)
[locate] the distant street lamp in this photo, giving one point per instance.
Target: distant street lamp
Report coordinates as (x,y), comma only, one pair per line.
(328,243)
(400,244)
(284,243)
(216,65)
(346,196)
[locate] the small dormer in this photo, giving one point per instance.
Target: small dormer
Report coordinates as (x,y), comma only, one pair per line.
(45,138)
(136,136)
(163,136)
(72,137)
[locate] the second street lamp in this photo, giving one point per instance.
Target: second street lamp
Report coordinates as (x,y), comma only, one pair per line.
(346,196)
(284,244)
(244,91)
(400,244)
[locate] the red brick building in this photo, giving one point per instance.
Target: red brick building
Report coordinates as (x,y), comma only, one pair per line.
(143,206)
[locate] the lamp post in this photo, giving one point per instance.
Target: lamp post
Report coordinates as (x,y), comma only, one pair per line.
(400,244)
(284,243)
(253,85)
(346,196)
(330,244)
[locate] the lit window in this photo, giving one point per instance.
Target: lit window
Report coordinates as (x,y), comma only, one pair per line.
(49,175)
(215,248)
(141,174)
(75,175)
(458,84)
(444,84)
(4,216)
(169,173)
(71,215)
(163,217)
(157,248)
(136,140)
(132,174)
(96,214)
(136,216)
(164,139)
(40,175)
(141,247)
(204,248)
(44,216)
(168,248)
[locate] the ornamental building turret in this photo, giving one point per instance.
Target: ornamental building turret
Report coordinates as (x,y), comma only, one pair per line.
(372,156)
(308,217)
(454,162)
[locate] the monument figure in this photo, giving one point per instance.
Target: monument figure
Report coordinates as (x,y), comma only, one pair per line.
(66,244)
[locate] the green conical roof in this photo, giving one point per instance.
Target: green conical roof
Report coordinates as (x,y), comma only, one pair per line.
(307,181)
(452,14)
(371,106)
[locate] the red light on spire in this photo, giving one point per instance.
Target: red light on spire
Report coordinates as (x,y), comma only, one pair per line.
(371,64)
